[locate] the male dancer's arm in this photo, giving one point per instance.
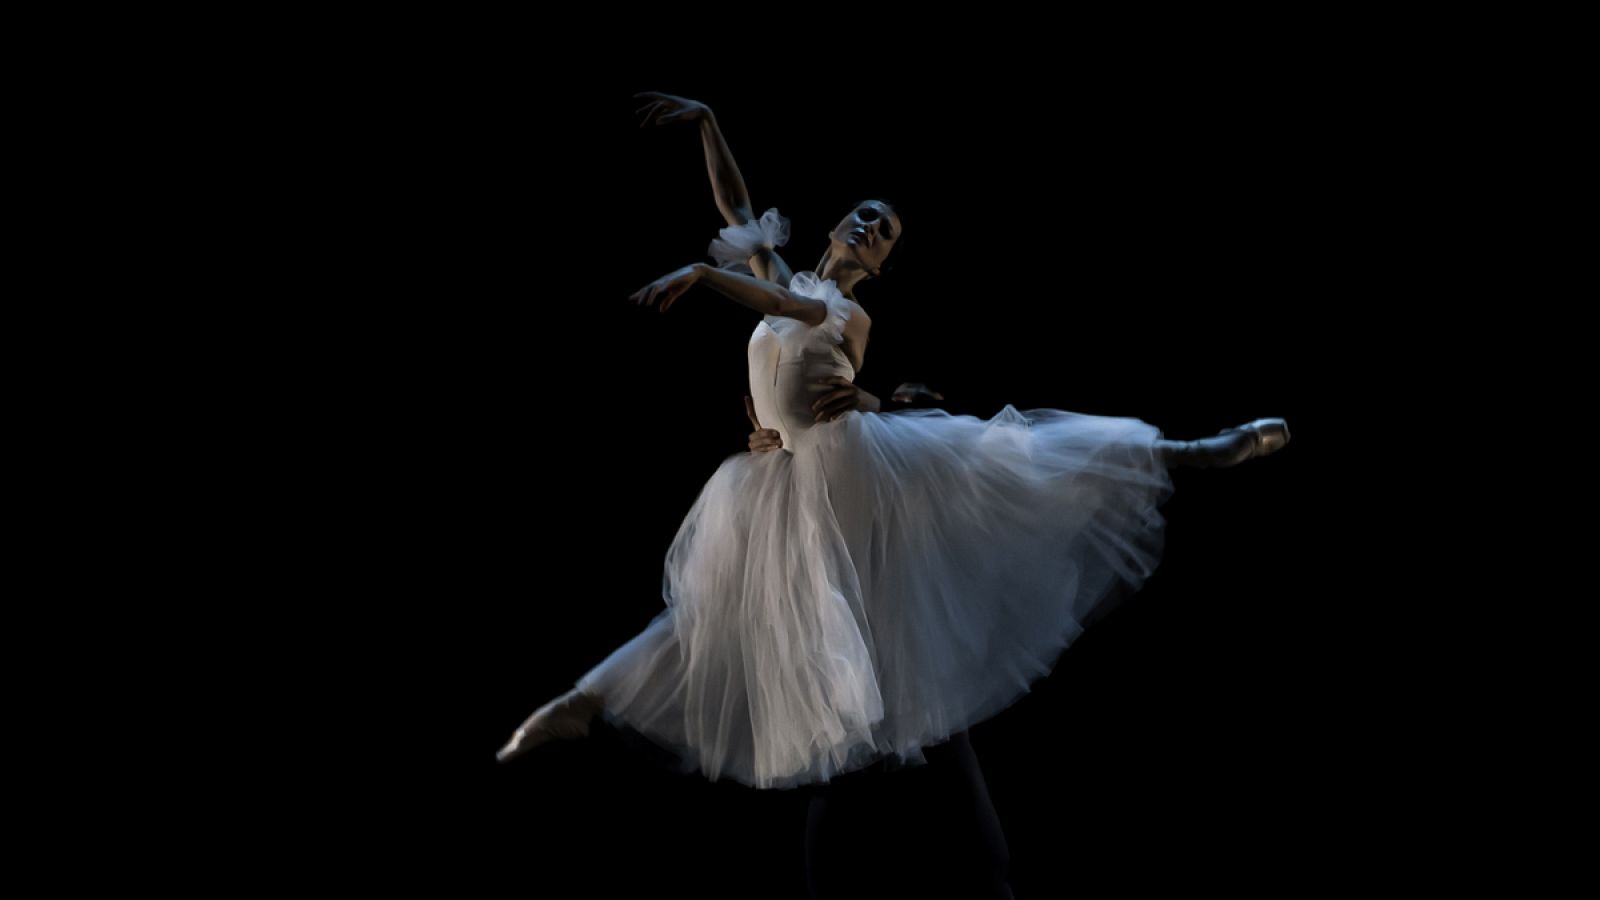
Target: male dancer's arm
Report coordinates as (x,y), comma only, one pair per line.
(844,397)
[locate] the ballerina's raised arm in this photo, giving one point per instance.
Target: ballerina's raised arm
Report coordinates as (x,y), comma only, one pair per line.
(727,184)
(871,222)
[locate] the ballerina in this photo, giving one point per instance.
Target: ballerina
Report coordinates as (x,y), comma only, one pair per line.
(884,580)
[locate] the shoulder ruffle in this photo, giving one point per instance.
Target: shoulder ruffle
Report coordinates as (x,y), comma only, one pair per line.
(831,329)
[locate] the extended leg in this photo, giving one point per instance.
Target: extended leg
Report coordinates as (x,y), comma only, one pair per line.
(563,718)
(1227,448)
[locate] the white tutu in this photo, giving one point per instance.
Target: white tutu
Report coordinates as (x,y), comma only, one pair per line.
(883,581)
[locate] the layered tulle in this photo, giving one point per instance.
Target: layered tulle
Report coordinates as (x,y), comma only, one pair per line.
(883,582)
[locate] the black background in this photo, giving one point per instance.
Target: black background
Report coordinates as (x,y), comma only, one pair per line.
(504,446)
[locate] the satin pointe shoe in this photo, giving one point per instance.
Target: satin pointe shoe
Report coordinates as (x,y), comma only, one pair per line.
(1270,436)
(564,718)
(1230,446)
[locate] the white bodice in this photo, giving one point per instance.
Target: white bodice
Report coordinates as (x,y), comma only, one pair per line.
(788,357)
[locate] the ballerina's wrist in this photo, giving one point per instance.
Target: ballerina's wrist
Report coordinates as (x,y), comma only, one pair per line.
(735,244)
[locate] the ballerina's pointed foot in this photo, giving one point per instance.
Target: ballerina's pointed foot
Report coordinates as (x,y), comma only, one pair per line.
(1230,446)
(565,718)
(1270,436)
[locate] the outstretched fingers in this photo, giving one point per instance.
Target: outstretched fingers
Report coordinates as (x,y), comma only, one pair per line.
(672,293)
(647,295)
(662,109)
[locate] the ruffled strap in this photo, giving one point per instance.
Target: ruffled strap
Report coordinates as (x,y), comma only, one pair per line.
(734,245)
(831,329)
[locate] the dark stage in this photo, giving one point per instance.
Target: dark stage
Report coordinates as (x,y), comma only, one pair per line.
(516,445)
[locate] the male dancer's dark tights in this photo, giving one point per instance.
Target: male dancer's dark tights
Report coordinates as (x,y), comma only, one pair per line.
(969,794)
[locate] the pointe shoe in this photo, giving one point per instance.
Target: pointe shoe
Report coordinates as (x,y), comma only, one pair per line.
(1230,446)
(564,718)
(1270,436)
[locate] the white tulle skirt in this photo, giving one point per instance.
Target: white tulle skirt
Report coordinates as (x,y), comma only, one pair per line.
(892,579)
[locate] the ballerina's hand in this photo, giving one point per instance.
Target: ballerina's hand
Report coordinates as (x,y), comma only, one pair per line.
(668,287)
(665,109)
(762,439)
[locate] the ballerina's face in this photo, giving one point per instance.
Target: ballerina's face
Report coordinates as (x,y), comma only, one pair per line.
(867,234)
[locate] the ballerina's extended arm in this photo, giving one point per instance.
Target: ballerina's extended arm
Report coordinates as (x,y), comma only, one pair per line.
(762,296)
